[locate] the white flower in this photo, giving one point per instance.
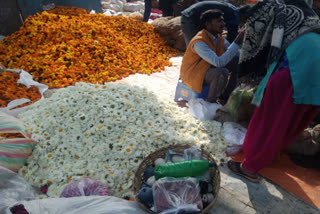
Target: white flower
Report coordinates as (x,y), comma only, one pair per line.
(104,132)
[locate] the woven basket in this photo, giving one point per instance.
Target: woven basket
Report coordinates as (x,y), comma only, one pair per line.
(179,148)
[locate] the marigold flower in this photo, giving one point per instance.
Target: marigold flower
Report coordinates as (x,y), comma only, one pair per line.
(67,45)
(11,90)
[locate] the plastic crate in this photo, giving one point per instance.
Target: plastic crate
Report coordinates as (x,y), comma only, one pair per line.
(184,92)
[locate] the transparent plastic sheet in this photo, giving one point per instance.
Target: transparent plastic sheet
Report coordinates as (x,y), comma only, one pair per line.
(192,153)
(171,156)
(233,150)
(81,205)
(13,188)
(176,195)
(233,133)
(27,80)
(85,187)
(202,109)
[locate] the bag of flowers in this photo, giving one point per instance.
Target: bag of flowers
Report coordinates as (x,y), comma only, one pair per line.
(18,90)
(16,144)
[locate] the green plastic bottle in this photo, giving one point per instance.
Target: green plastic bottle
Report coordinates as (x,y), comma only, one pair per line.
(189,168)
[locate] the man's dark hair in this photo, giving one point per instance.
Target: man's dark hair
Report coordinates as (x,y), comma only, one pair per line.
(244,11)
(208,16)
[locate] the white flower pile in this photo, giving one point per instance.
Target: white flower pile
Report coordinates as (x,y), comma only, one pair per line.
(104,132)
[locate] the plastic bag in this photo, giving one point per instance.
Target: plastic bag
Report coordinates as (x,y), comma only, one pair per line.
(27,80)
(81,205)
(172,195)
(13,188)
(202,109)
(133,6)
(233,133)
(136,15)
(116,5)
(2,67)
(192,153)
(85,187)
(48,6)
(172,156)
(233,150)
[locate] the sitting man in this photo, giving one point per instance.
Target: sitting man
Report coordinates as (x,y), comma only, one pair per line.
(209,59)
(190,18)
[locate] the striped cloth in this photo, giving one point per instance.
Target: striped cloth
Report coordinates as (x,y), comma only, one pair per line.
(14,152)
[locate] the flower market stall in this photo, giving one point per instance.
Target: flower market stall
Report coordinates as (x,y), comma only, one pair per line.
(92,128)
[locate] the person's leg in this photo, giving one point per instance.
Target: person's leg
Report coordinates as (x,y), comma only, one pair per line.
(276,123)
(147,10)
(166,7)
(233,67)
(189,29)
(217,79)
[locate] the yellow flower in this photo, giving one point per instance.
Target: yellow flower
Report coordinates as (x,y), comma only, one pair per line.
(87,47)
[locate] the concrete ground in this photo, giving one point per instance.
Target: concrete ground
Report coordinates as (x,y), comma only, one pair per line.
(237,195)
(240,196)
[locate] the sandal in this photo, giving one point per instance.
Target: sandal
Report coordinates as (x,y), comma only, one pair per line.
(236,168)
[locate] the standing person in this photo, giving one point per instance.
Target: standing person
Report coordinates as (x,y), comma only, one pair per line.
(316,6)
(190,18)
(286,36)
(166,6)
(209,59)
(147,10)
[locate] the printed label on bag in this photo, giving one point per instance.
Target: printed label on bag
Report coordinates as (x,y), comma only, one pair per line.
(184,93)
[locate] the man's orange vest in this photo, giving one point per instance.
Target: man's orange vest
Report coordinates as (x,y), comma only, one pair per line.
(193,67)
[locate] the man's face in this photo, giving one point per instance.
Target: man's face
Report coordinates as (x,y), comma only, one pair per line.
(216,26)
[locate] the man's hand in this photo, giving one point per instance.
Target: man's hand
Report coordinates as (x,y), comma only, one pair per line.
(239,38)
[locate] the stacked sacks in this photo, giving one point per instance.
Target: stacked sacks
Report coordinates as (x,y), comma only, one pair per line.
(116,5)
(170,30)
(133,6)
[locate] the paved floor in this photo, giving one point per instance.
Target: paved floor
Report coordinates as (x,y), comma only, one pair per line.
(236,195)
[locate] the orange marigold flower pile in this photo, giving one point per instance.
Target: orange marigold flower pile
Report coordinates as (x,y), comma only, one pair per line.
(68,45)
(11,90)
(11,135)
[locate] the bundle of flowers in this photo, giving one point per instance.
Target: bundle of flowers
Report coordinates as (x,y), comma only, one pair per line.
(10,89)
(104,132)
(60,49)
